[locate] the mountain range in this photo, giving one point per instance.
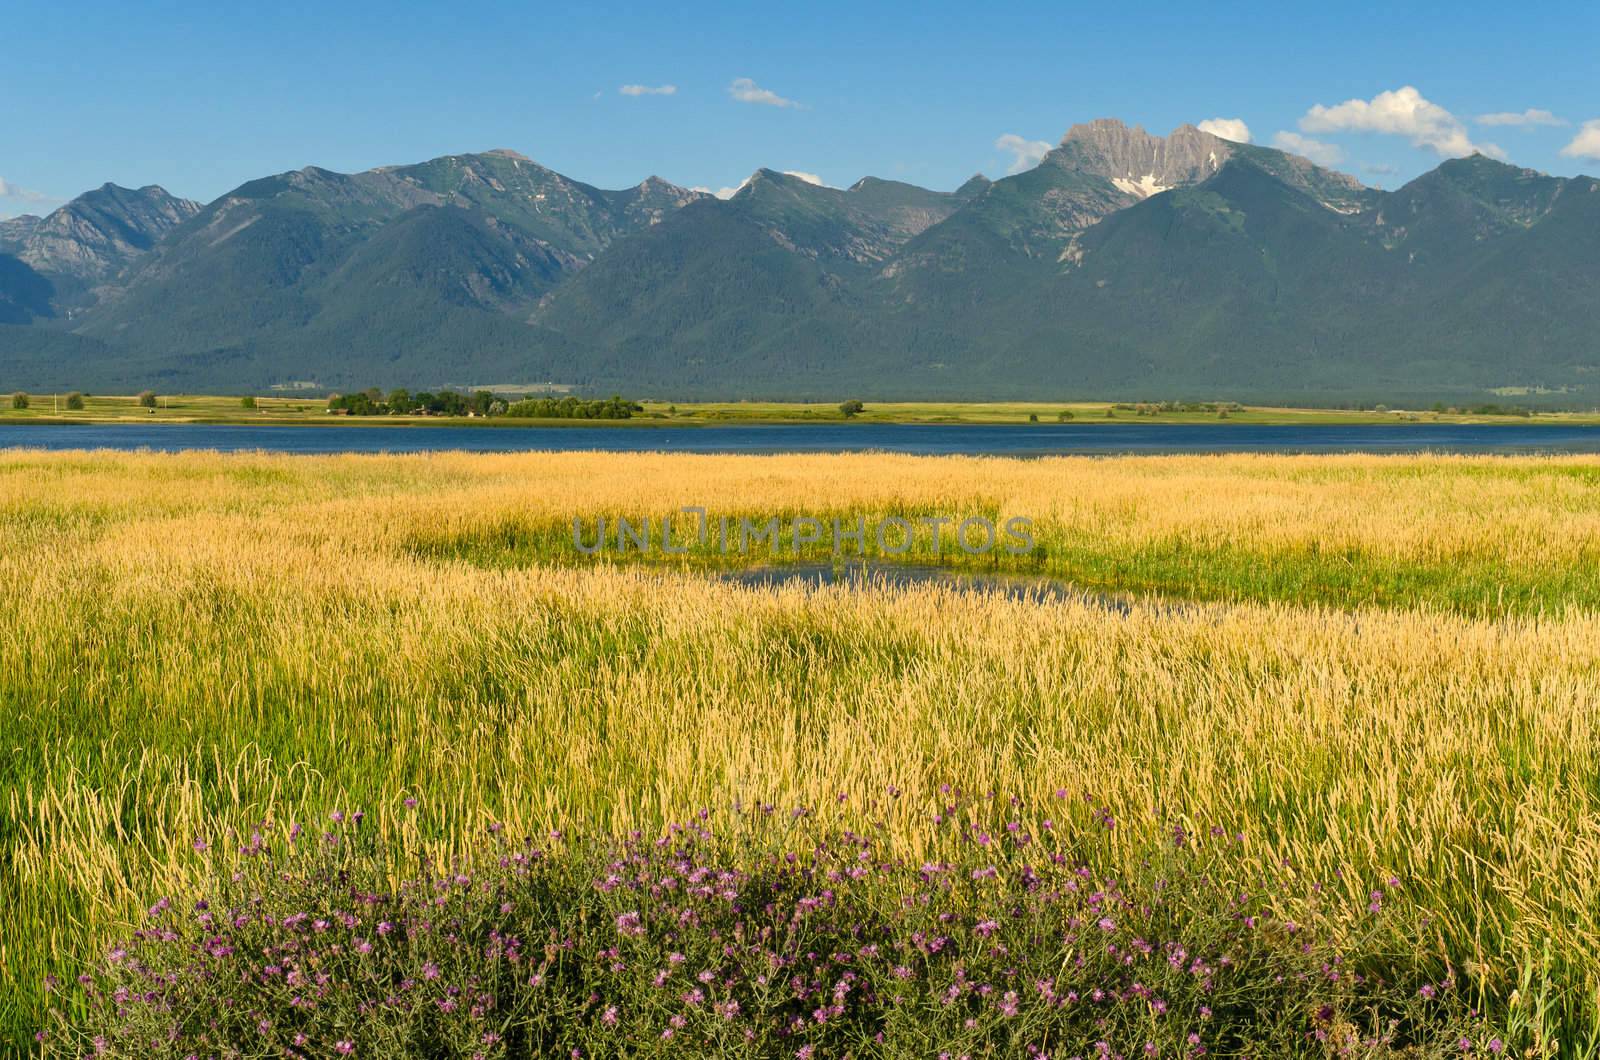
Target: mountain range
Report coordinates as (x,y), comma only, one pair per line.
(1123,265)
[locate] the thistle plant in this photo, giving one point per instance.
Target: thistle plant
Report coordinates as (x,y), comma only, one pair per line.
(717,938)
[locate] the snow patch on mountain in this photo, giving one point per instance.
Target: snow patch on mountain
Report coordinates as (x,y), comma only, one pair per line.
(1144,187)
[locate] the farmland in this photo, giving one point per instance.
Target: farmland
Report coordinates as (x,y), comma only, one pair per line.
(311,408)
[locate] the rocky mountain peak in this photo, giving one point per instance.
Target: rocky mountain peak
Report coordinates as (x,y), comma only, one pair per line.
(658,187)
(1140,163)
(13,230)
(975,185)
(653,198)
(92,237)
(764,182)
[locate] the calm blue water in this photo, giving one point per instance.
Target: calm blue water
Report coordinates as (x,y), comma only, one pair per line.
(929,439)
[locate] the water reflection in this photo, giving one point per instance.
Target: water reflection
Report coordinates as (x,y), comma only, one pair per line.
(870,576)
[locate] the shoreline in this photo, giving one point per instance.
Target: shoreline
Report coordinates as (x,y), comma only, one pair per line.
(1297,418)
(220,410)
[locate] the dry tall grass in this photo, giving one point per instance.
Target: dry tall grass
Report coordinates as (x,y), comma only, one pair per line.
(195,643)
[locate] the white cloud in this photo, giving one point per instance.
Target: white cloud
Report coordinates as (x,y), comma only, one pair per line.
(649,90)
(9,190)
(1402,112)
(1228,128)
(747,91)
(1025,153)
(1531,116)
(730,192)
(1323,154)
(722,193)
(1587,143)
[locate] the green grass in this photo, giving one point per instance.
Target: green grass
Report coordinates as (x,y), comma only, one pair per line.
(1341,576)
(217,409)
(1088,412)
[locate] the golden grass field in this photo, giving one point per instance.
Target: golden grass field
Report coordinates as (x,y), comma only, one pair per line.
(1368,666)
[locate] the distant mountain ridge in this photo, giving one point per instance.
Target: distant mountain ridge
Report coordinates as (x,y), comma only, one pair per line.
(97,235)
(24,294)
(1124,264)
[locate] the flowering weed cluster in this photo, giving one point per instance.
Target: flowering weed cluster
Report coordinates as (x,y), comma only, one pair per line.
(713,939)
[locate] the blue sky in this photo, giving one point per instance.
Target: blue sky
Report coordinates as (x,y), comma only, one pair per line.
(199,98)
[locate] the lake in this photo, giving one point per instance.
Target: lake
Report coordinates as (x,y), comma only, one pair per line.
(924,439)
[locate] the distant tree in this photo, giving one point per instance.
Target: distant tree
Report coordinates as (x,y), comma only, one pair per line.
(571,408)
(19,400)
(1063,416)
(357,404)
(1498,410)
(1033,417)
(147,399)
(75,401)
(851,408)
(399,401)
(247,402)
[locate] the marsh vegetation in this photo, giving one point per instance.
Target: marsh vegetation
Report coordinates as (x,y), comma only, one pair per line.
(1383,669)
